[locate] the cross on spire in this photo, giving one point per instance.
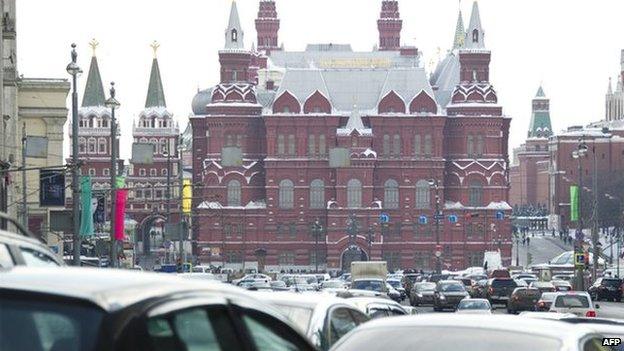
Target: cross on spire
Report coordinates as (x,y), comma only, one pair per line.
(94,44)
(155,45)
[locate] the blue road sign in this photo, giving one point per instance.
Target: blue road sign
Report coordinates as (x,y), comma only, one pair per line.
(438,216)
(500,215)
(422,220)
(452,218)
(384,218)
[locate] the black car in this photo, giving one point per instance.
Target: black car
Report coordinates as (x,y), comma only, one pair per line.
(478,289)
(422,293)
(448,294)
(499,289)
(523,299)
(607,289)
(434,278)
(23,248)
(87,309)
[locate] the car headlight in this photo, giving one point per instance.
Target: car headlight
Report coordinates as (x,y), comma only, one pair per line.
(419,294)
(442,297)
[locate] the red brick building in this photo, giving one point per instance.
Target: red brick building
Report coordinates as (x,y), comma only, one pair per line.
(300,157)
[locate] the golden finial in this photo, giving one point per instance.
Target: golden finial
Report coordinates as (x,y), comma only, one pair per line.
(94,44)
(155,47)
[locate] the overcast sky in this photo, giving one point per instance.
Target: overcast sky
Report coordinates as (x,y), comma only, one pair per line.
(572,46)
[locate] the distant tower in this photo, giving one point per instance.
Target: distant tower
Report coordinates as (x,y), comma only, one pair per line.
(614,100)
(460,32)
(267,26)
(474,34)
(389,25)
(234,59)
(540,126)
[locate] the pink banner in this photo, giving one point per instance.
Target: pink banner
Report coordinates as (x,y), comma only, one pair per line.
(120,212)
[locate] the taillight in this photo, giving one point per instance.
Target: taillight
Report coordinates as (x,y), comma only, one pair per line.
(541,304)
(591,314)
(491,290)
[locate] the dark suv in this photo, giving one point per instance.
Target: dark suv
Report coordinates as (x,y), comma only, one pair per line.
(448,294)
(499,289)
(523,299)
(606,288)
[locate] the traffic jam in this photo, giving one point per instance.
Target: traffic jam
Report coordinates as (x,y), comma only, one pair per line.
(47,306)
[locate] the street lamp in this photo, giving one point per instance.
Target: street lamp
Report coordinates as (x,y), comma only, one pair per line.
(113,104)
(74,70)
(434,183)
(317,229)
(167,154)
(578,154)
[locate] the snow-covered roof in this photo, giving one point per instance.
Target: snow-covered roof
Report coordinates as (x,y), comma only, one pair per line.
(355,123)
(501,206)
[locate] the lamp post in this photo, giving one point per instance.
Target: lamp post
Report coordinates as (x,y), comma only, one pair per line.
(434,183)
(113,104)
(167,153)
(74,70)
(371,238)
(578,154)
(317,229)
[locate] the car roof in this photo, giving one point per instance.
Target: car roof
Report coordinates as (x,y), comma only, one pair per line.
(449,282)
(372,300)
(15,239)
(110,289)
(310,300)
(531,326)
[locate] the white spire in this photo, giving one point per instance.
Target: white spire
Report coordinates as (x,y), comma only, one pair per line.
(355,123)
(609,89)
(234,33)
(475,34)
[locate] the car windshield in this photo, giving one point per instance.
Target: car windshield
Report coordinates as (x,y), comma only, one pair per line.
(503,283)
(278,284)
(28,324)
(473,305)
(612,282)
(394,283)
(548,297)
(298,315)
(373,285)
(572,301)
(425,287)
(446,339)
(333,284)
(451,287)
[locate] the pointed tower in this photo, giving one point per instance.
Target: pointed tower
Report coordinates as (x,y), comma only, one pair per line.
(460,32)
(234,34)
(540,126)
(234,59)
(389,26)
(156,127)
(475,34)
(267,26)
(94,90)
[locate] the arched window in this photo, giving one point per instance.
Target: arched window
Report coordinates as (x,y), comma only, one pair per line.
(470,146)
(104,123)
(423,195)
(234,35)
(234,193)
(354,193)
(286,194)
(480,145)
(417,148)
(317,194)
(475,36)
(322,145)
(101,146)
(475,197)
(153,172)
(386,145)
(291,145)
(396,145)
(311,145)
(428,145)
(163,146)
(280,145)
(82,145)
(92,146)
(391,194)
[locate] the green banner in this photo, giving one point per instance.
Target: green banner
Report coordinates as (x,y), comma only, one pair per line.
(86,216)
(574,203)
(120,182)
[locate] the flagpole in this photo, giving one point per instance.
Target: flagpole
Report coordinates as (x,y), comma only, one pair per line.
(112,103)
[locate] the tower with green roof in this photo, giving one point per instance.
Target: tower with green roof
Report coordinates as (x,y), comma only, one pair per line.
(540,126)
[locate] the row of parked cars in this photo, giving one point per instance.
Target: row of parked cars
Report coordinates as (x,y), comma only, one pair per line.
(48,307)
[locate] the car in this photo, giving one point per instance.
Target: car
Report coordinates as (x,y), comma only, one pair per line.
(499,289)
(333,285)
(376,307)
(434,278)
(409,279)
(527,280)
(440,332)
(198,276)
(474,306)
(577,302)
(24,248)
(523,299)
(606,289)
(524,275)
(561,285)
(422,293)
(466,281)
(393,293)
(478,288)
(500,273)
(448,294)
(566,277)
(396,285)
(89,309)
(253,277)
(201,269)
(323,318)
(545,315)
(609,328)
(544,302)
(278,285)
(543,286)
(372,284)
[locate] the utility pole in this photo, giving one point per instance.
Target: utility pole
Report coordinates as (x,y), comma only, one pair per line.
(24,192)
(594,236)
(578,246)
(182,215)
(74,71)
(434,183)
(112,103)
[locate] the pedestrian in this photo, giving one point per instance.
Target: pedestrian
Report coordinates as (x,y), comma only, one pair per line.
(528,241)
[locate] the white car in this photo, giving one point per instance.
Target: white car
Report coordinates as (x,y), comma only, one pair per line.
(474,306)
(576,302)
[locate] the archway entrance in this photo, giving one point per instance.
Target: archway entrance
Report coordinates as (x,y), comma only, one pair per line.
(152,233)
(351,254)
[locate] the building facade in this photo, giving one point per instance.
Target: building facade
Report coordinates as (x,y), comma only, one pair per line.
(529,172)
(322,157)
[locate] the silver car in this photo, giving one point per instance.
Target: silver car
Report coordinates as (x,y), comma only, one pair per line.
(323,318)
(377,307)
(438,332)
